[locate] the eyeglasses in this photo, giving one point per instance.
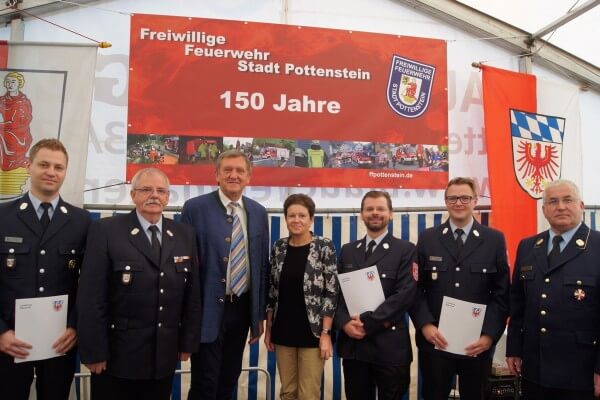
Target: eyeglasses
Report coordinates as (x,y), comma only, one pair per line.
(463,199)
(554,202)
(147,191)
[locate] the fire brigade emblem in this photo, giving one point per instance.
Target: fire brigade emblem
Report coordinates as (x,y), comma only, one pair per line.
(409,86)
(537,149)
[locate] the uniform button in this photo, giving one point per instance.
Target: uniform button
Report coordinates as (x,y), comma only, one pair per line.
(383,275)
(185,279)
(543,330)
(221,301)
(579,283)
(547,280)
(11,251)
(223,280)
(434,268)
(228,239)
(127,268)
(159,324)
(457,284)
(543,312)
(226,259)
(41,289)
(72,251)
(112,326)
(544,295)
(230,220)
(457,269)
(394,327)
(42,252)
(161,291)
(484,270)
(160,308)
(594,342)
(162,273)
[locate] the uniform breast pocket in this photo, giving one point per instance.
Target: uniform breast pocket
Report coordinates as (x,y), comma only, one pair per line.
(579,291)
(433,272)
(127,273)
(482,272)
(182,271)
(12,257)
(387,275)
(72,256)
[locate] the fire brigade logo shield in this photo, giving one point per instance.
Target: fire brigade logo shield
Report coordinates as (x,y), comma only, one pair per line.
(476,312)
(537,149)
(370,275)
(58,304)
(409,86)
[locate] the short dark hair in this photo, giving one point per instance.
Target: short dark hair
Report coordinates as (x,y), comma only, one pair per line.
(374,194)
(461,180)
(299,199)
(234,154)
(50,144)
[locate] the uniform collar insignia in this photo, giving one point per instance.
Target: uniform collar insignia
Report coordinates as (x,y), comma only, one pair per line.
(23,206)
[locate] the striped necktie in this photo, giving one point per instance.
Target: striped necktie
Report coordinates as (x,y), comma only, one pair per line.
(237,256)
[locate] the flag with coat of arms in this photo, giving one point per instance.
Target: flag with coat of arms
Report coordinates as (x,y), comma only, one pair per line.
(532,128)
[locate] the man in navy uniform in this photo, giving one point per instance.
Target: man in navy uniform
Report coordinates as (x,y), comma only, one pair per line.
(139,297)
(233,242)
(375,345)
(42,242)
(554,327)
(464,260)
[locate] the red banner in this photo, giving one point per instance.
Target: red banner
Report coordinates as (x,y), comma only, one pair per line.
(310,106)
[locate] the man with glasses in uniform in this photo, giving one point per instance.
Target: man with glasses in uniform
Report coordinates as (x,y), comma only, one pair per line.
(139,297)
(464,260)
(554,329)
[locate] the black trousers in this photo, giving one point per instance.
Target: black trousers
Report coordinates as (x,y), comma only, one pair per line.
(361,379)
(53,377)
(216,366)
(108,387)
(438,369)
(532,391)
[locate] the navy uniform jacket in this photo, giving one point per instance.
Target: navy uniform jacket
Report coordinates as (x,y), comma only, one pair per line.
(387,341)
(213,228)
(555,311)
(43,265)
(479,275)
(135,312)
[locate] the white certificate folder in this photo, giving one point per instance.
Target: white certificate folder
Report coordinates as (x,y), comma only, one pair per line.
(362,290)
(460,323)
(40,321)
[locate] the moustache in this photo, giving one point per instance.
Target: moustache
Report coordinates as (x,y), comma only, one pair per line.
(152,201)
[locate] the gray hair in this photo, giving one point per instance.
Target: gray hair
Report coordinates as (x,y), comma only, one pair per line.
(152,171)
(562,182)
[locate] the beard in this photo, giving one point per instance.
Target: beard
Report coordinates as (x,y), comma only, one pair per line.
(375,225)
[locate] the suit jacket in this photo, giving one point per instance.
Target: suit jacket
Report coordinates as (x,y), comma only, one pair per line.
(43,264)
(387,341)
(321,288)
(213,228)
(480,274)
(555,311)
(137,312)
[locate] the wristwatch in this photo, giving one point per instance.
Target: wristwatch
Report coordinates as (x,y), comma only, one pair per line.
(326,331)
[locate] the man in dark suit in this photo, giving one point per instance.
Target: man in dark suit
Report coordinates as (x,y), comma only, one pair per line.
(554,327)
(233,240)
(375,345)
(464,260)
(139,297)
(41,248)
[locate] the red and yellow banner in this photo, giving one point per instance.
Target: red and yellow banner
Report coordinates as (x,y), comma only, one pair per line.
(310,106)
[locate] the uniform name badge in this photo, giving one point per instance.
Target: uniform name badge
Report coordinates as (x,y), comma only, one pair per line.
(11,262)
(126,278)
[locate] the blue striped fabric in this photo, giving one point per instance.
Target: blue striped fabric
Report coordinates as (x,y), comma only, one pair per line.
(341,228)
